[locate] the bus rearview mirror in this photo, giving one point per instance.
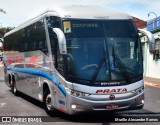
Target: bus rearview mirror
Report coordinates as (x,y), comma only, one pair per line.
(151,39)
(61,40)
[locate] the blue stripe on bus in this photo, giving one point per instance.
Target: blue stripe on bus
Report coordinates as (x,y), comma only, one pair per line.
(43,74)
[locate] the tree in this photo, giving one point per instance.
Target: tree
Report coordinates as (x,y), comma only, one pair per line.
(4,30)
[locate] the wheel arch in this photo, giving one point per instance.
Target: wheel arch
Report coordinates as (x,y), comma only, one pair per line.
(46,87)
(9,79)
(13,77)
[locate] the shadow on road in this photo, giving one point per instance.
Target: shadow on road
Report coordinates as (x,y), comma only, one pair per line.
(29,99)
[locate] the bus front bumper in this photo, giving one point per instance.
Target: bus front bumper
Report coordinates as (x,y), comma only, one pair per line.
(78,105)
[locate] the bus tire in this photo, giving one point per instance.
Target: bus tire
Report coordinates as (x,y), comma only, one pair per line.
(14,88)
(50,110)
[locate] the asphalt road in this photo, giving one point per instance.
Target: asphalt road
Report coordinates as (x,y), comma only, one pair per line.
(24,106)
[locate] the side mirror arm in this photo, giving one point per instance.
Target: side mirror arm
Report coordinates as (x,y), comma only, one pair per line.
(61,41)
(151,39)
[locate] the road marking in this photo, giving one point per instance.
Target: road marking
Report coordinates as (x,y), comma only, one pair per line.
(2,105)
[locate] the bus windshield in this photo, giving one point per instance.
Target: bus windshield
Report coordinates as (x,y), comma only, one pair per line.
(102,51)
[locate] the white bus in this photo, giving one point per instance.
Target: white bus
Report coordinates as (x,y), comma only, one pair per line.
(76,59)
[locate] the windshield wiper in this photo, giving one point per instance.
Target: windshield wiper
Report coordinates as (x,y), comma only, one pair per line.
(117,61)
(102,60)
(98,68)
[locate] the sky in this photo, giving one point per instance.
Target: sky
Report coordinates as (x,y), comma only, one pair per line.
(18,11)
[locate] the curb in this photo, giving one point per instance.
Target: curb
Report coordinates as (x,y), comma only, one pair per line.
(152,84)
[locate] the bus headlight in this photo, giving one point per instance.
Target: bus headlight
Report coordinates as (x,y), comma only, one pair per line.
(139,90)
(76,93)
(79,94)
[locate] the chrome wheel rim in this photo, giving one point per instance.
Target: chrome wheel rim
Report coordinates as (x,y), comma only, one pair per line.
(14,88)
(49,102)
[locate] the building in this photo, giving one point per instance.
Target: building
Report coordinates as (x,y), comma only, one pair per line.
(140,23)
(152,59)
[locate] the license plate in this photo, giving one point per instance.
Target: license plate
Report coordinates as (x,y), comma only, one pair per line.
(112,106)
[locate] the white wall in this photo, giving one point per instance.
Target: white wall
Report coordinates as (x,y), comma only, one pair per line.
(153,67)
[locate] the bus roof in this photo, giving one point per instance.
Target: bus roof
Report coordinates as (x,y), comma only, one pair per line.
(89,12)
(76,12)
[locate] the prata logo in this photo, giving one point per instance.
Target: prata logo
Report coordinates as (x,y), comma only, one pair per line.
(119,90)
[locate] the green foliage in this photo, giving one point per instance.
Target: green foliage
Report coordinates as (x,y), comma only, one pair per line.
(4,30)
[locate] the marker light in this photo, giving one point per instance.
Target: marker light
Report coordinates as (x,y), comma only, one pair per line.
(142,101)
(74,106)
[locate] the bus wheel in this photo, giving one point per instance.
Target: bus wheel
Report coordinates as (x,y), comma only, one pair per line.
(14,88)
(48,104)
